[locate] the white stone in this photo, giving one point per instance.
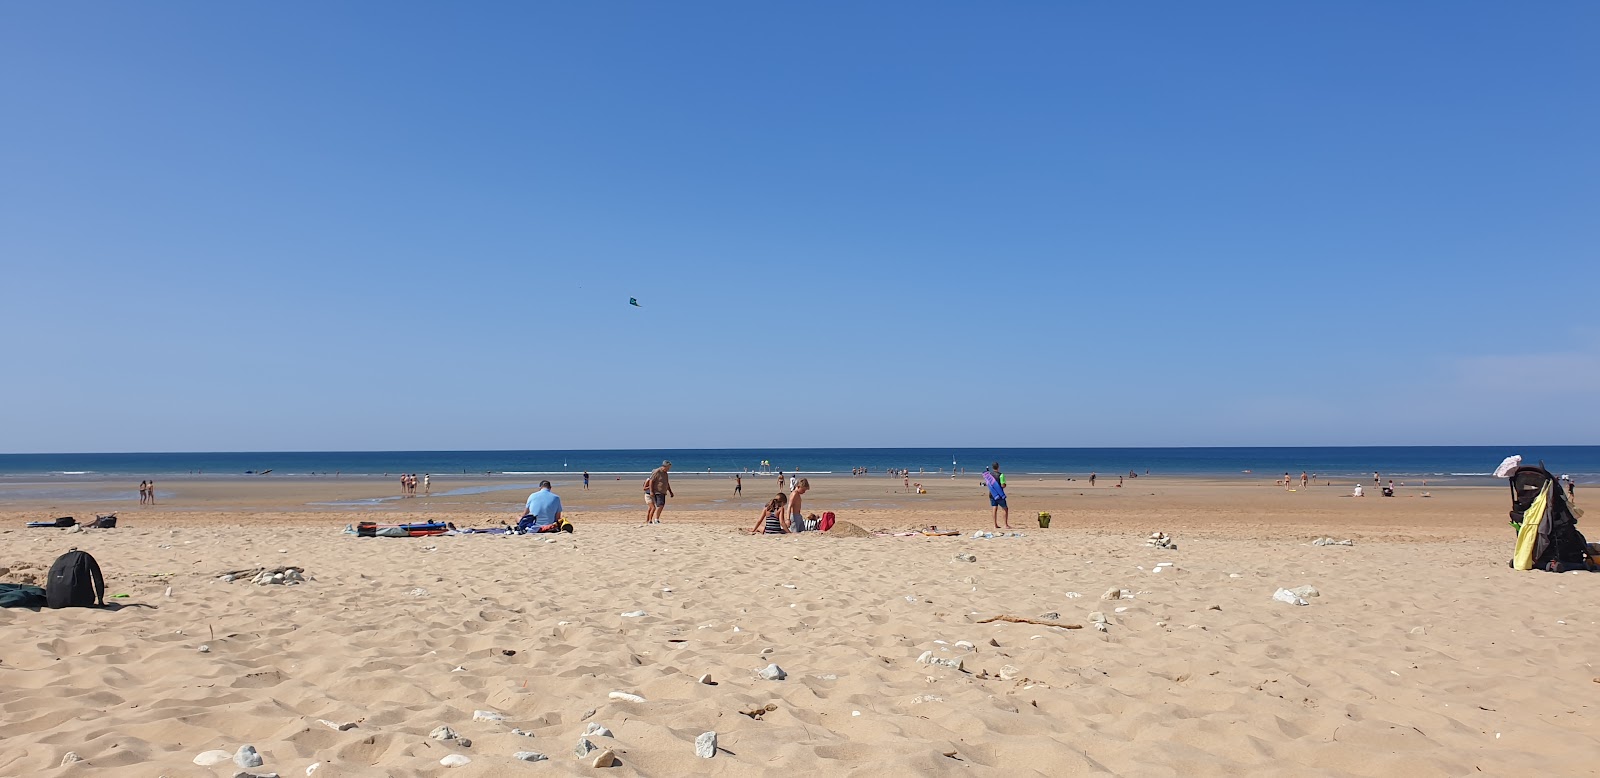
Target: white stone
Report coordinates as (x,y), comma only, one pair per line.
(634,614)
(605,758)
(455,760)
(1286,596)
(313,767)
(929,658)
(530,756)
(247,756)
(626,697)
(204,649)
(705,746)
(209,758)
(965,558)
(1097,617)
(773,673)
(1009,673)
(1101,626)
(1306,591)
(70,757)
(597,729)
(487,715)
(1112,594)
(965,645)
(584,748)
(443,733)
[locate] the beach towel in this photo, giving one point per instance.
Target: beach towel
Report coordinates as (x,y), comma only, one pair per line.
(21,596)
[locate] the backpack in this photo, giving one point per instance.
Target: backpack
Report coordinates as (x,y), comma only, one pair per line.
(826,522)
(75,582)
(105,522)
(66,521)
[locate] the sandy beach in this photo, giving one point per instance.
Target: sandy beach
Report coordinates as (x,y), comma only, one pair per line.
(1422,655)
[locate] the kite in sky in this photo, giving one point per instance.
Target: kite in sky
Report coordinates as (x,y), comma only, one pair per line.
(634,301)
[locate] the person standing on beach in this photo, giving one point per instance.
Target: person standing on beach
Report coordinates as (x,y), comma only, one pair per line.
(150,486)
(659,488)
(1092,476)
(586,480)
(996,481)
(1303,479)
(738,485)
(427,483)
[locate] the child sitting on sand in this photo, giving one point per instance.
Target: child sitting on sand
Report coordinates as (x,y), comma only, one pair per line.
(771,521)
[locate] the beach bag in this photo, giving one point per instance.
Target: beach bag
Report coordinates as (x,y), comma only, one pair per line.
(367,529)
(105,522)
(826,522)
(75,582)
(65,521)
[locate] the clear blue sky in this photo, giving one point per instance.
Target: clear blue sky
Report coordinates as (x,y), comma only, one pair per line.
(241,226)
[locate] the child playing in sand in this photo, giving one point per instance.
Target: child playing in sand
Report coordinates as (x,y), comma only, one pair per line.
(771,521)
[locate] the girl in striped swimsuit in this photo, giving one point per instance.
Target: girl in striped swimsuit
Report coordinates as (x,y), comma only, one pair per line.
(771,521)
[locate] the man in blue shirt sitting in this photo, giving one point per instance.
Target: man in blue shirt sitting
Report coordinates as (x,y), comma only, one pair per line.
(543,511)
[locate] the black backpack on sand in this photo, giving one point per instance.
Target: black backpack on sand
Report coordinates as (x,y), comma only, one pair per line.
(75,582)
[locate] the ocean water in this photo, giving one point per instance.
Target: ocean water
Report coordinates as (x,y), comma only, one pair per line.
(1461,464)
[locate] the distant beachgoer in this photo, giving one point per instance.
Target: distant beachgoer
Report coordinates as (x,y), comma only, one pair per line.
(659,487)
(1357,492)
(150,486)
(427,483)
(797,520)
(791,482)
(996,481)
(771,521)
(1287,482)
(586,480)
(1303,479)
(1092,476)
(144,491)
(738,485)
(1375,479)
(1572,490)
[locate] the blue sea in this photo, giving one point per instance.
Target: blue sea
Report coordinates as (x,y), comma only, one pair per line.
(1460,464)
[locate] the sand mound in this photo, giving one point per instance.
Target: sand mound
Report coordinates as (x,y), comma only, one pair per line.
(845,529)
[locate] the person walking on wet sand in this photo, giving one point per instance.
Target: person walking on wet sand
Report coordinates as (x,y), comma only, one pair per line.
(586,480)
(659,488)
(738,485)
(144,491)
(150,488)
(996,481)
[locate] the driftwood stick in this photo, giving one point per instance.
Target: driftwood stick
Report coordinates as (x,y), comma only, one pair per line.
(1021,620)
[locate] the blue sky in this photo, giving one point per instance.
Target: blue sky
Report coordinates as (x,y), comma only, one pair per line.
(417,226)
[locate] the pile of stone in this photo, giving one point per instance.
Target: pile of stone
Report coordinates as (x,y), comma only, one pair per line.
(267,576)
(1332,542)
(1161,540)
